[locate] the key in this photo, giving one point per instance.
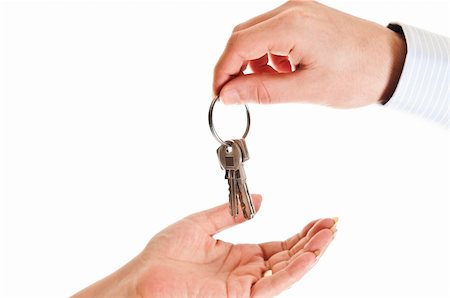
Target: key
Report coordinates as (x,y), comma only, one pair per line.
(243,194)
(232,154)
(230,157)
(229,175)
(243,146)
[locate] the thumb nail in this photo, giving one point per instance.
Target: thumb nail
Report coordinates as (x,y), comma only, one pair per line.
(230,97)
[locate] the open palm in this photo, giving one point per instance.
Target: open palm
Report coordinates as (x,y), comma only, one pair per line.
(184,260)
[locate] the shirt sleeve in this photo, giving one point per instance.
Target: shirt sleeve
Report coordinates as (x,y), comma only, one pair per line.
(424,85)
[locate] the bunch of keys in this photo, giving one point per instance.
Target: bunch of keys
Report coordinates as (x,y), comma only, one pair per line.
(232,154)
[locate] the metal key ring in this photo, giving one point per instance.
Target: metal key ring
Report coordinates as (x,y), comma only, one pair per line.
(211,124)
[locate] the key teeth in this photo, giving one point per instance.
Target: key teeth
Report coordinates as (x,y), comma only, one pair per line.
(246,215)
(231,199)
(245,201)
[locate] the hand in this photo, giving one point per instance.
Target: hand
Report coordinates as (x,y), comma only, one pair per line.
(304,51)
(184,260)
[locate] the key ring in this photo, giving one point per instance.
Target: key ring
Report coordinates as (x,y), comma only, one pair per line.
(211,124)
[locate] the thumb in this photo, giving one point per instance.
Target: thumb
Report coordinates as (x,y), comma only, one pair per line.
(266,88)
(218,218)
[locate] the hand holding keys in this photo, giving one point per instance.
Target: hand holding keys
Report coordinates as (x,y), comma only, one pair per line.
(232,154)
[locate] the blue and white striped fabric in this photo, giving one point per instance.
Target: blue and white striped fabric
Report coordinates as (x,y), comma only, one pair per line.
(424,85)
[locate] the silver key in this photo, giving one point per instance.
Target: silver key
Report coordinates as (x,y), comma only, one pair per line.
(230,158)
(243,146)
(245,199)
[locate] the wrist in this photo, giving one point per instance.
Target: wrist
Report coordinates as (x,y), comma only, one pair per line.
(122,283)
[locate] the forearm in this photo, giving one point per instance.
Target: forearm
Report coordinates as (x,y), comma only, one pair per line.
(122,283)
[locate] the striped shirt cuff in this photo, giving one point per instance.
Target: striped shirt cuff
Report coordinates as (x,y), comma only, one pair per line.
(424,85)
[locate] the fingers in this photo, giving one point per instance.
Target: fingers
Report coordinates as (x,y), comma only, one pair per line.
(272,285)
(298,255)
(311,239)
(270,88)
(317,244)
(217,219)
(281,63)
(257,88)
(252,43)
(260,65)
(290,242)
(326,223)
(271,248)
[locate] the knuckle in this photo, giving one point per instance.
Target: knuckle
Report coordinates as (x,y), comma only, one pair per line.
(288,20)
(262,95)
(237,28)
(294,13)
(234,39)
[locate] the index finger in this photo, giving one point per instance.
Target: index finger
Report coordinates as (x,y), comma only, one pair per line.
(269,36)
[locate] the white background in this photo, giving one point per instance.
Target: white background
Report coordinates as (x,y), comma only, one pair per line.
(105,141)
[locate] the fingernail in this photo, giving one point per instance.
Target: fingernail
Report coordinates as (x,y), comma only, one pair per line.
(267,273)
(317,252)
(333,228)
(213,95)
(230,97)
